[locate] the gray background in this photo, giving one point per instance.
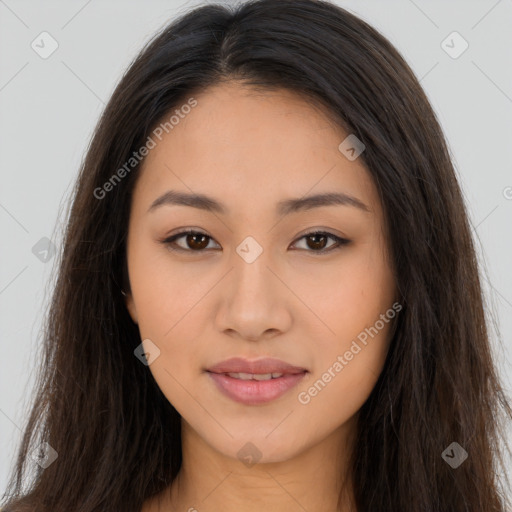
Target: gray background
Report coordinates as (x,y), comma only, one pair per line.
(49,107)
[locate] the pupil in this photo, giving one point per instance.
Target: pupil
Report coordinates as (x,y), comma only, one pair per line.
(316,244)
(194,244)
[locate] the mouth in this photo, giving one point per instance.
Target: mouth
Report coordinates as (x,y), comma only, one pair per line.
(254,376)
(255,382)
(263,366)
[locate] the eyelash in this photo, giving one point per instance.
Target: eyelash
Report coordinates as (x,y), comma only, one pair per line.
(340,242)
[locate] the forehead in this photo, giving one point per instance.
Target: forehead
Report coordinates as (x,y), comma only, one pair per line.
(252,147)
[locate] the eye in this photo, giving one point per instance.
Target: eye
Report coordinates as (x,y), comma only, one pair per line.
(318,240)
(196,241)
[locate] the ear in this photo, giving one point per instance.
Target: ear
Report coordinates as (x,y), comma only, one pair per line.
(130,305)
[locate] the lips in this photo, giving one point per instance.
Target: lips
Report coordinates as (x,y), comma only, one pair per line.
(255,382)
(258,367)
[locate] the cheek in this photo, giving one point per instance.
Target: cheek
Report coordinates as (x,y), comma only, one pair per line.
(165,293)
(347,294)
(164,300)
(346,370)
(355,305)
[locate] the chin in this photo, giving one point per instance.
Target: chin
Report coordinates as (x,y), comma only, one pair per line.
(258,449)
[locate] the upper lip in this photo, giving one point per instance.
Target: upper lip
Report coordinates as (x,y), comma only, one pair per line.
(258,366)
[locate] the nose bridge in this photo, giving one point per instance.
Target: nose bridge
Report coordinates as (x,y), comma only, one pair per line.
(253,301)
(251,275)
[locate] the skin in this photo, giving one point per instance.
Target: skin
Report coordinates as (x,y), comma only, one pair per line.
(250,149)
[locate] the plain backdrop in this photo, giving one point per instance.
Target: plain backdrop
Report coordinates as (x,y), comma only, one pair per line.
(49,108)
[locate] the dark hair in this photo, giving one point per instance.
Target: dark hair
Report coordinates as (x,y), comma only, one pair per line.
(116,435)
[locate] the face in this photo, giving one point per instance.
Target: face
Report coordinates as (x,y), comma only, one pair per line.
(253,280)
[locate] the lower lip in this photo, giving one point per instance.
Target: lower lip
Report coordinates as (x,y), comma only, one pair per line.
(254,392)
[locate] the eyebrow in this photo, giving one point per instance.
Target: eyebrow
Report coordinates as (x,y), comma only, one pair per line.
(285,207)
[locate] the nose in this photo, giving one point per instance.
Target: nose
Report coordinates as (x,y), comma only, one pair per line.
(254,302)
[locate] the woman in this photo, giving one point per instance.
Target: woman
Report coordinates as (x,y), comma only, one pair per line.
(268,294)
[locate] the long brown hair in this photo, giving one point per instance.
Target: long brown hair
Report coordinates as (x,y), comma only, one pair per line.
(117,437)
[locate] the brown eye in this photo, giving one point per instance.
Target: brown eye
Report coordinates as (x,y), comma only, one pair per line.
(196,241)
(317,241)
(193,241)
